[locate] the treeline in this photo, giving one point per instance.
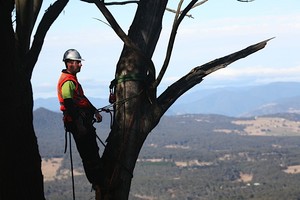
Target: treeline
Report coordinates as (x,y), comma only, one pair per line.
(221,180)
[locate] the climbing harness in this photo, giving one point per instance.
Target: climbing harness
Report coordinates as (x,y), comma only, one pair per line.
(107,109)
(121,79)
(68,133)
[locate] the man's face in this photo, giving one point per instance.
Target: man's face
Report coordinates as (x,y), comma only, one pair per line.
(74,66)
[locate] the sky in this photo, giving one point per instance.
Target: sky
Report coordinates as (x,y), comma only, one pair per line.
(218,28)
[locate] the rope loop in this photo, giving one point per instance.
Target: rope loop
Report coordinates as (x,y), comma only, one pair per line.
(127,77)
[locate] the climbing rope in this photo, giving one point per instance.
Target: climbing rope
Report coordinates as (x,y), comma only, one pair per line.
(72,171)
(104,145)
(106,109)
(71,159)
(123,79)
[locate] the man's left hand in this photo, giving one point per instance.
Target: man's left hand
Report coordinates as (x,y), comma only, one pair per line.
(98,117)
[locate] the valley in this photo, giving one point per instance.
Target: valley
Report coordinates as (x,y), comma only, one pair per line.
(207,157)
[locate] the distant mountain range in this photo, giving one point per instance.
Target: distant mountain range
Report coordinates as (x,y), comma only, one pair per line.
(277,97)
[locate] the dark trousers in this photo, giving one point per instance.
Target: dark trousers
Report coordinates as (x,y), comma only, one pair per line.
(88,149)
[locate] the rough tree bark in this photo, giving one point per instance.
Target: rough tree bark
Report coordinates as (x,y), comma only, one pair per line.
(20,170)
(137,109)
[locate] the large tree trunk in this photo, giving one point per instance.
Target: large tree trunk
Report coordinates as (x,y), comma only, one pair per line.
(21,175)
(132,117)
(20,169)
(137,110)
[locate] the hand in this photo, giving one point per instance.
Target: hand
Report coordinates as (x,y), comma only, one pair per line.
(98,117)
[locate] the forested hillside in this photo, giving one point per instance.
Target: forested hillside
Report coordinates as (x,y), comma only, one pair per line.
(207,157)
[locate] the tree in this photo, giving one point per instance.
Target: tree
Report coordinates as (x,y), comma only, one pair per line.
(138,109)
(20,169)
(136,83)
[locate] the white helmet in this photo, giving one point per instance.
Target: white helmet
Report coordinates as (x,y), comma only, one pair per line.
(72,54)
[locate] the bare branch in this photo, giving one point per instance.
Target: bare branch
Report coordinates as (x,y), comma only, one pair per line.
(245,0)
(103,22)
(121,3)
(26,15)
(172,93)
(113,23)
(176,24)
(49,17)
(178,11)
(200,3)
(113,3)
(187,15)
(174,11)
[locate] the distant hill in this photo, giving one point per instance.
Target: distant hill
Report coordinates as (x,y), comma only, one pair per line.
(277,97)
(51,134)
(241,101)
(283,105)
(53,104)
(50,131)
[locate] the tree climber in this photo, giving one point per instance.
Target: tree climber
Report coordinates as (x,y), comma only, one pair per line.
(78,116)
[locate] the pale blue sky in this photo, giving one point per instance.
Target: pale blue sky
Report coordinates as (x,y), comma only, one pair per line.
(219,27)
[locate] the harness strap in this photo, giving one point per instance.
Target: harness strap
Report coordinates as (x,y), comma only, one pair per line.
(127,77)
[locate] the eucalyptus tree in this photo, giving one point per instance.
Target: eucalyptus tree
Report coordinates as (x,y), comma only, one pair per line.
(20,170)
(137,109)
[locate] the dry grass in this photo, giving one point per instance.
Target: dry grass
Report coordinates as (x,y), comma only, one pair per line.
(245,178)
(295,169)
(50,169)
(266,126)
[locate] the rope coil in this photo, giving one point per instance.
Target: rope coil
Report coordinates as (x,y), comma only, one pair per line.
(127,77)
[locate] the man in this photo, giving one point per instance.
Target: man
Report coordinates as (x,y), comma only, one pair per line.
(78,118)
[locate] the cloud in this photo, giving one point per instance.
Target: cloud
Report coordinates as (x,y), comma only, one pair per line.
(258,71)
(246,76)
(254,75)
(198,41)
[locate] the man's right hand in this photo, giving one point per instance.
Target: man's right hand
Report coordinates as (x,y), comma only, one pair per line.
(98,116)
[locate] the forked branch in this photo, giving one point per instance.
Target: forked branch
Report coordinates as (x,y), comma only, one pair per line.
(113,23)
(187,15)
(177,20)
(195,76)
(49,17)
